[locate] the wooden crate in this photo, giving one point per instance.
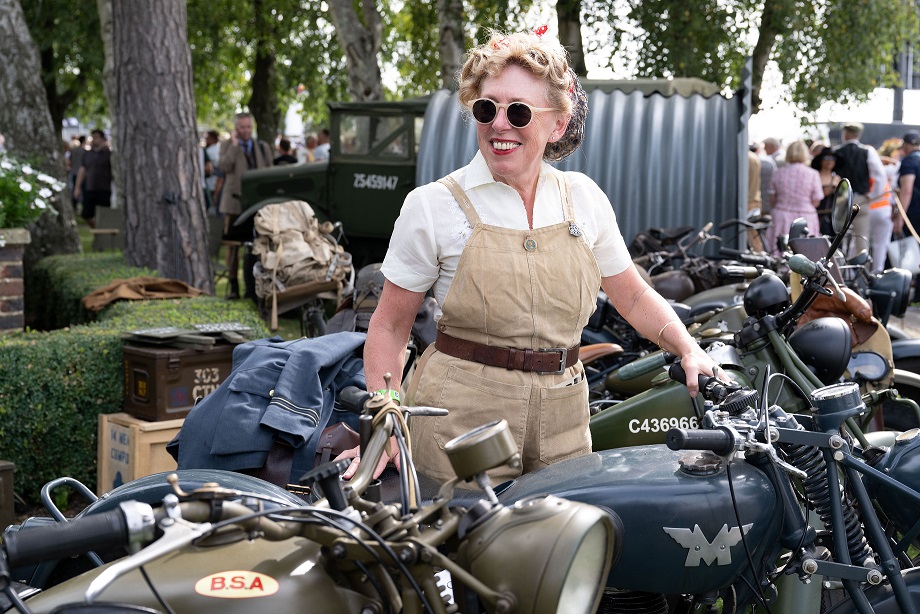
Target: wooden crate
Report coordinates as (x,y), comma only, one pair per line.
(131,448)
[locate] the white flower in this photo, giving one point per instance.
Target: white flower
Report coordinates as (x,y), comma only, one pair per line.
(25,186)
(5,165)
(47,178)
(45,193)
(28,170)
(39,203)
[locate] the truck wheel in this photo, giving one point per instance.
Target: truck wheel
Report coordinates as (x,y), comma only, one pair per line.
(899,417)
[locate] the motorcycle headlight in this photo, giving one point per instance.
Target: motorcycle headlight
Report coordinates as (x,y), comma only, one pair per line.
(545,553)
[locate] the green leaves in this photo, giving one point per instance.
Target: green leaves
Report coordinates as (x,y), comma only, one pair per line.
(826,50)
(25,193)
(54,384)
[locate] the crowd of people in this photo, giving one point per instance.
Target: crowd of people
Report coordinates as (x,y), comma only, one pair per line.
(799,182)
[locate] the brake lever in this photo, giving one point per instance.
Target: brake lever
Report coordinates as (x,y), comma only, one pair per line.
(771,452)
(840,295)
(177,533)
(421,410)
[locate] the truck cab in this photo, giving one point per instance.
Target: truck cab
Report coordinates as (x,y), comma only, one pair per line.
(371,169)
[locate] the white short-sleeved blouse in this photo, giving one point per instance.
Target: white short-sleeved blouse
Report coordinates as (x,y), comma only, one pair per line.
(432,230)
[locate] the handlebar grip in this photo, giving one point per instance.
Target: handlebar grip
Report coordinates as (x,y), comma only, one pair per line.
(716,440)
(802,265)
(710,387)
(737,273)
(50,543)
(352,398)
(747,258)
(676,372)
(640,367)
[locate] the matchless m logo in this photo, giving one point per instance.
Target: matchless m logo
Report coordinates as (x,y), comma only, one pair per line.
(701,550)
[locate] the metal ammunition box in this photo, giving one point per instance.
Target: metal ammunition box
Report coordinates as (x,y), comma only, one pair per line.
(162,383)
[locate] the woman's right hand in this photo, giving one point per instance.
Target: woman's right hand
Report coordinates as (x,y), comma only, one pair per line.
(355,455)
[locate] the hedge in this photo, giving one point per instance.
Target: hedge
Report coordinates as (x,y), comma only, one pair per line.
(57,284)
(54,384)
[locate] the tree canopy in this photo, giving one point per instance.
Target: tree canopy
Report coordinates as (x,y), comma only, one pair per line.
(265,54)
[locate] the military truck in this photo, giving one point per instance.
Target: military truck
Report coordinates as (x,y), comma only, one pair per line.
(371,169)
(664,151)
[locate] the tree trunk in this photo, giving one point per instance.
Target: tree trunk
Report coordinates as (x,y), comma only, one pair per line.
(450,39)
(58,101)
(772,24)
(26,123)
(156,140)
(568,18)
(263,103)
(361,42)
(109,84)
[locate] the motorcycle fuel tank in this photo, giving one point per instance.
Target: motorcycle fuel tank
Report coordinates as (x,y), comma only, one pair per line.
(247,576)
(901,462)
(681,534)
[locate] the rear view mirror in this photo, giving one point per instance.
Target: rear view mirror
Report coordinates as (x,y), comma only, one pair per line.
(843,207)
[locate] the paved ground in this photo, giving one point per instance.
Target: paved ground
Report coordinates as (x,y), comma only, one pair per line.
(910,323)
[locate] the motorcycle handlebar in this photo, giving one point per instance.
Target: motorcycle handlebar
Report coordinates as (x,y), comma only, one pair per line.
(802,265)
(767,261)
(737,273)
(718,440)
(47,543)
(710,387)
(353,399)
(640,367)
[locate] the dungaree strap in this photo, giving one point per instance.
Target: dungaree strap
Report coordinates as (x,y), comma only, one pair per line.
(567,207)
(461,198)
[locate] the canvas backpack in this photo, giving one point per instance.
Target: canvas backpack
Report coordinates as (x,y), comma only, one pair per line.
(295,249)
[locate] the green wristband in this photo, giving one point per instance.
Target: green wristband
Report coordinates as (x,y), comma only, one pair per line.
(393,394)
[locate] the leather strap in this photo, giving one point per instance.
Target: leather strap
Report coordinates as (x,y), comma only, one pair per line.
(553,360)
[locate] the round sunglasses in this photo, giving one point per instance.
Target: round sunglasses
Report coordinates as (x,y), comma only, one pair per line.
(519,114)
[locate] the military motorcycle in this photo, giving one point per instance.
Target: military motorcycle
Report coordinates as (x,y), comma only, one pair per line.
(721,519)
(217,549)
(747,341)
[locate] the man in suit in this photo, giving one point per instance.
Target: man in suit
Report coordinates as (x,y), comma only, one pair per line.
(237,155)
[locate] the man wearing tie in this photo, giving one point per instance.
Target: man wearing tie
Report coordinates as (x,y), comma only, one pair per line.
(237,155)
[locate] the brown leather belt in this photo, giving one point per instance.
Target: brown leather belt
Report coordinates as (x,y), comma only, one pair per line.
(544,360)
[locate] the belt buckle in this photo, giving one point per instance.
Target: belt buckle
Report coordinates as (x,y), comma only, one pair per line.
(562,356)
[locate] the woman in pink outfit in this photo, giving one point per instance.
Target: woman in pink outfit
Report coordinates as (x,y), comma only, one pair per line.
(796,193)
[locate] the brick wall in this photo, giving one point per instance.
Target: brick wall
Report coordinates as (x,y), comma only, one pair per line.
(12,245)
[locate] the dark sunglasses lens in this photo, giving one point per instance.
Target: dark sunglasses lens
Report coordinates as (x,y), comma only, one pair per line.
(484,111)
(518,114)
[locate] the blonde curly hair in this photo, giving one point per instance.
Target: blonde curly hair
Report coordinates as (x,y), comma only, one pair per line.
(529,51)
(543,59)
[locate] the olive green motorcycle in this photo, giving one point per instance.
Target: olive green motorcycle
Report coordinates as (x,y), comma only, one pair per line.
(223,550)
(749,341)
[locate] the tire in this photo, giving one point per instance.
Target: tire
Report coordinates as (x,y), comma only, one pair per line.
(899,417)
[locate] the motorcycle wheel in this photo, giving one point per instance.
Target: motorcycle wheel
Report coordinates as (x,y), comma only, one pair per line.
(897,416)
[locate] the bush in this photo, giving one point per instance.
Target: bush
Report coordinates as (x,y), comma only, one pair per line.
(57,284)
(54,384)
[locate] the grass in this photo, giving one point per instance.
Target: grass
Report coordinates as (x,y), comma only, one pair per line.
(288,323)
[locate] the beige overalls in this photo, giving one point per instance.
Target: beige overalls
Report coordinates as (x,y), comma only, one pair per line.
(529,290)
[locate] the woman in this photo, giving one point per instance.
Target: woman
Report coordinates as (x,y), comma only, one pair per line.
(515,251)
(824,162)
(797,192)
